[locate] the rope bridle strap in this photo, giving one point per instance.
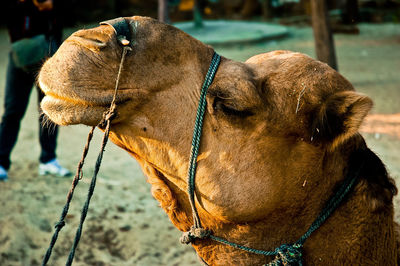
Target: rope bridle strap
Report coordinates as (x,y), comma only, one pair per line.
(123,36)
(286,254)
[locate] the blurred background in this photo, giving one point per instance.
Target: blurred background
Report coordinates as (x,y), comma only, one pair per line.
(282,11)
(125,226)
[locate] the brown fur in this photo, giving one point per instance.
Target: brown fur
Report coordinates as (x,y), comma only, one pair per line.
(279,136)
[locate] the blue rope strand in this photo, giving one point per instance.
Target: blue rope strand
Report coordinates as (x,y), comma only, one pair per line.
(252,250)
(197,135)
(331,206)
(333,203)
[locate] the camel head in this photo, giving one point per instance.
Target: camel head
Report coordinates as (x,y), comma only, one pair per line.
(275,130)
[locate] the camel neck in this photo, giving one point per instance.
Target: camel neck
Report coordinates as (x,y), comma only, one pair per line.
(324,246)
(354,216)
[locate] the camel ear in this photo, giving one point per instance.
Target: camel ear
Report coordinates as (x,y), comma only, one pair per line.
(340,117)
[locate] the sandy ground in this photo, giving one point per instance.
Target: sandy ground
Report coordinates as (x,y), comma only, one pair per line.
(125,226)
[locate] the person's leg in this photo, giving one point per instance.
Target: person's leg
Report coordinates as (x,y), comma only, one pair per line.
(17,90)
(48,132)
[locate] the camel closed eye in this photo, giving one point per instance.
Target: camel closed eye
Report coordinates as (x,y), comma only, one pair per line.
(230,109)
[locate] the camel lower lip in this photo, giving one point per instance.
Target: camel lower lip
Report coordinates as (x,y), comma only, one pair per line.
(57,96)
(64,112)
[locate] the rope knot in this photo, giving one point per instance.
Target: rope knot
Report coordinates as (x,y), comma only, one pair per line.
(108,116)
(194,232)
(288,255)
(59,225)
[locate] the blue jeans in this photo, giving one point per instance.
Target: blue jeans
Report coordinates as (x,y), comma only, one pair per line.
(18,88)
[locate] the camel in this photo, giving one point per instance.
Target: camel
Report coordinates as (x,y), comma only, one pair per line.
(280,134)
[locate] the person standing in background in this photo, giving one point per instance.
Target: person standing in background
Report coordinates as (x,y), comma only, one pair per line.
(35,31)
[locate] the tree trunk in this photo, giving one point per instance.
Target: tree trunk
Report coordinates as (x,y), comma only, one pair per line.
(324,46)
(249,8)
(163,11)
(197,14)
(350,12)
(266,9)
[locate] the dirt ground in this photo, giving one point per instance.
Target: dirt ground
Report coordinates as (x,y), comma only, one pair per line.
(125,226)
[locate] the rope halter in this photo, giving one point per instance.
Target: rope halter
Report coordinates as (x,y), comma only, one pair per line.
(286,254)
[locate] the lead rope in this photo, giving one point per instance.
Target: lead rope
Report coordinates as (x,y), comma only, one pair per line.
(286,254)
(197,231)
(105,122)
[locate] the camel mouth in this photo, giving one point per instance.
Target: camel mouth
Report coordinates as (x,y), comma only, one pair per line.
(70,96)
(64,97)
(62,109)
(66,106)
(65,112)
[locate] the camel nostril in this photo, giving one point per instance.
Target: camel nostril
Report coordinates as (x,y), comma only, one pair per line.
(97,41)
(88,42)
(90,38)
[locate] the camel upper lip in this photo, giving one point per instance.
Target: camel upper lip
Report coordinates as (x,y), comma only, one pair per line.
(80,101)
(70,99)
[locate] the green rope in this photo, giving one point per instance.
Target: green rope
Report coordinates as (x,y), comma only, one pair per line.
(332,204)
(197,135)
(288,251)
(252,250)
(286,254)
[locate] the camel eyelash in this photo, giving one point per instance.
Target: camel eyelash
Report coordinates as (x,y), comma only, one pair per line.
(219,104)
